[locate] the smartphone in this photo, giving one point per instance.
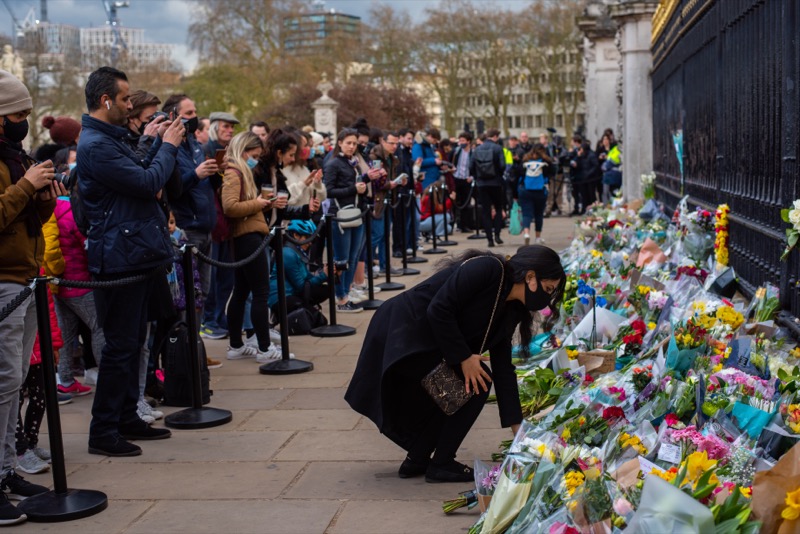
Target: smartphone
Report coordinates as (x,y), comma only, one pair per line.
(313,194)
(219,156)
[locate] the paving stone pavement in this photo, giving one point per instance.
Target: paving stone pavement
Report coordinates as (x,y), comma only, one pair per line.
(295,458)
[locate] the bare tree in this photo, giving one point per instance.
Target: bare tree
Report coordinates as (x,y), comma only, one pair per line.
(392,50)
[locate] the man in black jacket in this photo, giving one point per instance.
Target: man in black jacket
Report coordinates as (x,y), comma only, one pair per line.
(406,166)
(127,237)
(487,167)
(586,172)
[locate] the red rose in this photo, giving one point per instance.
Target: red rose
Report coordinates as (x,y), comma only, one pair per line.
(613,412)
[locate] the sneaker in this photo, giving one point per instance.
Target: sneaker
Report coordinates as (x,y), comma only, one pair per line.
(213,333)
(212,363)
(409,251)
(449,472)
(90,377)
(31,464)
(356,296)
(140,430)
(498,240)
(148,419)
(245,351)
(76,389)
(274,352)
(274,336)
(539,241)
(364,288)
(43,454)
(9,515)
(348,307)
(113,446)
(397,254)
(143,409)
(64,398)
(19,489)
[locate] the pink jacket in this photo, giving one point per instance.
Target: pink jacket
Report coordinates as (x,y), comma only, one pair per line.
(73,248)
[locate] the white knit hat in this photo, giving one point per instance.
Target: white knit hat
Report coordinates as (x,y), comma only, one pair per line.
(14,96)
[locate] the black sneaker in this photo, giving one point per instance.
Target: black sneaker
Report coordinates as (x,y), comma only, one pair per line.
(449,472)
(498,240)
(113,446)
(412,468)
(348,307)
(19,489)
(491,244)
(9,515)
(142,431)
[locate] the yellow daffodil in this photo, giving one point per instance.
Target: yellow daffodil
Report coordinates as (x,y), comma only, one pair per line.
(795,352)
(566,434)
(572,354)
(746,492)
(697,464)
(792,510)
(668,475)
(644,290)
(651,325)
(572,480)
(717,368)
(596,253)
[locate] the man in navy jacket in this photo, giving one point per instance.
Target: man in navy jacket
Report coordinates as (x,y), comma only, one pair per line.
(127,236)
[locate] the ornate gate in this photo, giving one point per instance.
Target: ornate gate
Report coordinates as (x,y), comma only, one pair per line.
(726,72)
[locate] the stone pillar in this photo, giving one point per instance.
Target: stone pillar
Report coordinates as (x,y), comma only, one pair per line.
(634,20)
(601,69)
(325,108)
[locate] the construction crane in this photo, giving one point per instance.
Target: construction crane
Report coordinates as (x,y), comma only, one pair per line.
(18,28)
(117,42)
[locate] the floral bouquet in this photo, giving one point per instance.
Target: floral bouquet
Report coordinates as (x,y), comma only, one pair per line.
(649,185)
(687,342)
(510,494)
(791,216)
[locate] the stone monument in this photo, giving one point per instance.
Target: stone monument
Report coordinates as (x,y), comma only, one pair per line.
(12,63)
(325,108)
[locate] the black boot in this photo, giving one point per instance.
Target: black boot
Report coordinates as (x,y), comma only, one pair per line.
(449,472)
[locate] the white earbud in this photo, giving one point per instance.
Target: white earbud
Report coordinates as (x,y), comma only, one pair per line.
(108,105)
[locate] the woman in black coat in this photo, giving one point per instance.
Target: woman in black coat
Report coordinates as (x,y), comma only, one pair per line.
(447,317)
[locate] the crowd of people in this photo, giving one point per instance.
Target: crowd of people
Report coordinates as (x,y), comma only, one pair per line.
(148,176)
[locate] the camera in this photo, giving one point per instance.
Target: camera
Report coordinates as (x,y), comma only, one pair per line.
(64,179)
(159,114)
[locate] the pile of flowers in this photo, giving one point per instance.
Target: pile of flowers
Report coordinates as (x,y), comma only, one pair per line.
(700,412)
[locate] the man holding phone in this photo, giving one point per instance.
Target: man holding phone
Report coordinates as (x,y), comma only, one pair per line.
(383,156)
(194,210)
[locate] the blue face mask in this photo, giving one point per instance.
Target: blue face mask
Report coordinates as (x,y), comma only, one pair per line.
(252,163)
(311,152)
(72,165)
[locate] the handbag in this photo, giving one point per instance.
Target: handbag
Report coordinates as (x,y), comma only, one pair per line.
(443,384)
(350,211)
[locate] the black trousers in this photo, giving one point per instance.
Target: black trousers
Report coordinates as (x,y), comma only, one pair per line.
(441,435)
(491,196)
(464,216)
(253,277)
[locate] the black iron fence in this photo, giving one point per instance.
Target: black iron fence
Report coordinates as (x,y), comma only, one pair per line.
(726,72)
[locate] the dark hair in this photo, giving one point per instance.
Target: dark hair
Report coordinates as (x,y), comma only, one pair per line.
(387,133)
(404,131)
(343,133)
(513,138)
(435,133)
(375,135)
(577,138)
(200,126)
(538,152)
(278,141)
(173,101)
(361,126)
(483,137)
(544,262)
(466,135)
(103,81)
(586,147)
(492,132)
(141,99)
(445,142)
(261,124)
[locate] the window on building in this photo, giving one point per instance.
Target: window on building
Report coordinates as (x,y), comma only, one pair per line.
(559,120)
(517,121)
(539,121)
(529,121)
(581,118)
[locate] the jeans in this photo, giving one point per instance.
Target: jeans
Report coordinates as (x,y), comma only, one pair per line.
(425,226)
(347,244)
(220,292)
(122,313)
(254,278)
(532,204)
(491,196)
(17,332)
(378,239)
(70,312)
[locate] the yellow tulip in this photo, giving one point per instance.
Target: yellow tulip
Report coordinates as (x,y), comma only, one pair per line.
(792,510)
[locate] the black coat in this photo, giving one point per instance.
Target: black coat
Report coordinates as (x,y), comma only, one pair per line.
(339,177)
(445,316)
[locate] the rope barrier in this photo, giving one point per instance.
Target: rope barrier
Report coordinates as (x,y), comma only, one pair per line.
(106,284)
(16,302)
(236,264)
(469,198)
(394,205)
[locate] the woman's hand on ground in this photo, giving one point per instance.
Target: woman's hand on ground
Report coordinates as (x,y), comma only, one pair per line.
(475,374)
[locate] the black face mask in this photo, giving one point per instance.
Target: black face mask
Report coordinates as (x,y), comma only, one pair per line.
(191,125)
(536,300)
(15,131)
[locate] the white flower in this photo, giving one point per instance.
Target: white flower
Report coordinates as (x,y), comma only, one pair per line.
(794,215)
(796,204)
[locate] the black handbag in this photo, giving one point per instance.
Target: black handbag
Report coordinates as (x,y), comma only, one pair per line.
(443,384)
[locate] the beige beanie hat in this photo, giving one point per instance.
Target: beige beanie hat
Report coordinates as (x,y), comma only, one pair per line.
(14,96)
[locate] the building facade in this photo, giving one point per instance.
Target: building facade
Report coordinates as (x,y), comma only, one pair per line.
(319,32)
(96,46)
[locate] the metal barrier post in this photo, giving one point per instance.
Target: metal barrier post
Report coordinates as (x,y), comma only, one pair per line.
(412,200)
(372,303)
(432,203)
(198,416)
(332,329)
(61,503)
(446,242)
(286,365)
(388,285)
(404,238)
(476,219)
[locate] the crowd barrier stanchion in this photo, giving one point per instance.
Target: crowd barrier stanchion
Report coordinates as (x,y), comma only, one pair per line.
(446,242)
(332,329)
(412,203)
(61,503)
(372,303)
(432,203)
(388,285)
(286,365)
(476,217)
(198,416)
(404,238)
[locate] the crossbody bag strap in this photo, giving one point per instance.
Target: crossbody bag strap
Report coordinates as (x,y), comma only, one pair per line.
(496,301)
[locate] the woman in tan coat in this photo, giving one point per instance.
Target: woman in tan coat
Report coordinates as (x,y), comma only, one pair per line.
(243,203)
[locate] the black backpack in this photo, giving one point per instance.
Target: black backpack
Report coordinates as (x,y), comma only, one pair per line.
(484,164)
(177,371)
(76,204)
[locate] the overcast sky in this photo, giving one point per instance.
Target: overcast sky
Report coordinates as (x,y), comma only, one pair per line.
(167,21)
